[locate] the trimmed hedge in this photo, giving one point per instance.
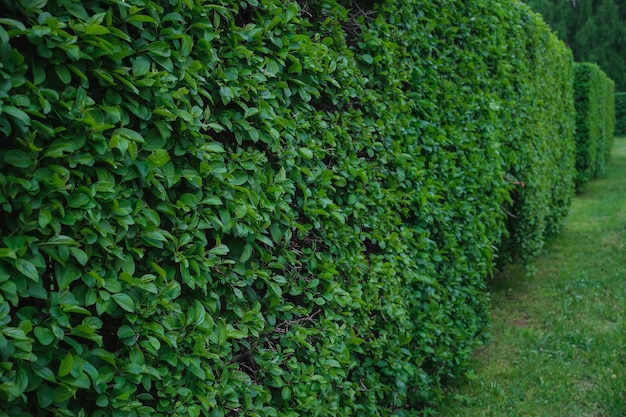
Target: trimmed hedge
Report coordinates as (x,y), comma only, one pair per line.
(538,122)
(265,208)
(594,94)
(620,114)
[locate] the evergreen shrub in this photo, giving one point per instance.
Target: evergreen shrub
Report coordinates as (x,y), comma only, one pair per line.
(265,207)
(620,114)
(537,122)
(594,94)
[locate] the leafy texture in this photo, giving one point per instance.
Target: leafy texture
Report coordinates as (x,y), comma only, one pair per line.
(537,121)
(595,121)
(620,114)
(265,207)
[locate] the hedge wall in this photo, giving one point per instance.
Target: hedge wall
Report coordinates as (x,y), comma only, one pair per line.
(620,114)
(538,122)
(265,207)
(594,95)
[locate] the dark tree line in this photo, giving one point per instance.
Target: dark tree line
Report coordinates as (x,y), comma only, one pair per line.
(595,30)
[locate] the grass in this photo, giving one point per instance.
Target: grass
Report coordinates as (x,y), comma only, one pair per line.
(558,339)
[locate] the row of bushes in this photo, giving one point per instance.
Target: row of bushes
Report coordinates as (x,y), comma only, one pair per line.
(620,113)
(594,96)
(538,122)
(266,207)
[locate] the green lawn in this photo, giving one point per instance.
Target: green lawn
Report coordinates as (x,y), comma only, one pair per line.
(558,339)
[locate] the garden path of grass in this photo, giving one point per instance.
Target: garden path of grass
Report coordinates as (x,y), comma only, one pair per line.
(558,339)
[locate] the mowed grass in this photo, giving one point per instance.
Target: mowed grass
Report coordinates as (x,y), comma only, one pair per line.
(557,345)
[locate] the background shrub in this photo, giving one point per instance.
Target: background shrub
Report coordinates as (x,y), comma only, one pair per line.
(265,208)
(595,121)
(620,114)
(537,119)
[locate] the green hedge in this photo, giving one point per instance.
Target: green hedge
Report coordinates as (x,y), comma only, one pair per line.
(538,121)
(620,114)
(595,121)
(265,207)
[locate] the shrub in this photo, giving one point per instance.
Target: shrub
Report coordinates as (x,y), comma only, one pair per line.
(535,89)
(265,208)
(620,113)
(595,121)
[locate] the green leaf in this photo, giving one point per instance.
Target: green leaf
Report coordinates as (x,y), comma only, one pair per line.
(306,153)
(251,33)
(285,393)
(277,232)
(141,66)
(4,36)
(220,250)
(186,45)
(212,201)
(87,331)
(44,373)
(200,313)
(60,240)
(7,253)
(159,158)
(45,217)
(159,48)
(63,393)
(12,22)
(32,5)
(81,382)
(79,255)
(124,301)
(227,94)
(102,401)
(66,365)
(154,238)
(44,335)
(65,275)
(15,333)
(292,11)
(121,79)
(78,200)
(246,253)
(129,134)
(367,58)
(27,269)
(141,18)
(272,68)
(45,395)
(125,332)
(63,73)
(4,310)
(18,158)
(95,29)
(21,379)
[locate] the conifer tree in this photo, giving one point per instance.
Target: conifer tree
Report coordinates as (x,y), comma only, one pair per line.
(595,30)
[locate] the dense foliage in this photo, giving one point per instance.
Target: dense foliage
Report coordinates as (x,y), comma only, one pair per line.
(595,30)
(538,122)
(620,114)
(265,207)
(594,95)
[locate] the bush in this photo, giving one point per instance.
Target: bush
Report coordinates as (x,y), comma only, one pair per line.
(595,121)
(620,114)
(537,119)
(265,208)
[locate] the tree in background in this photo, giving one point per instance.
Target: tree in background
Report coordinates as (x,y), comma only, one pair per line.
(595,30)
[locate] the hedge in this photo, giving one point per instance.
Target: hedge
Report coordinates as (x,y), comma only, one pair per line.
(595,121)
(620,114)
(538,122)
(265,207)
